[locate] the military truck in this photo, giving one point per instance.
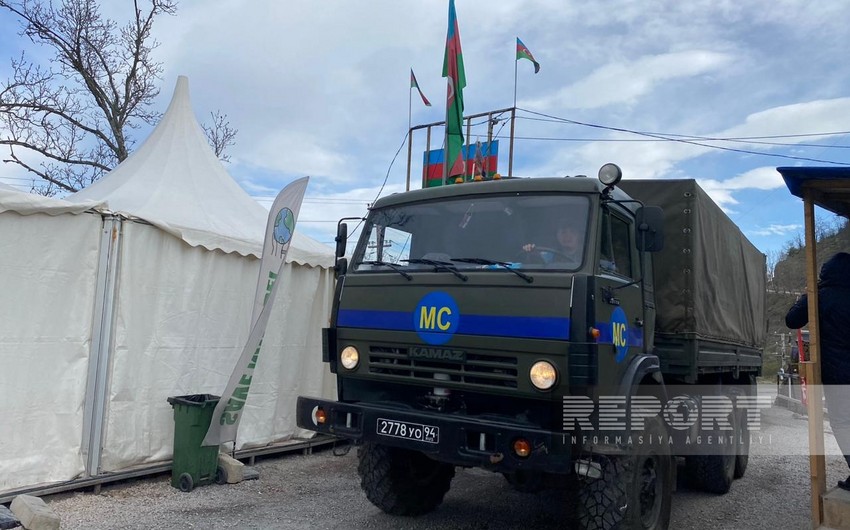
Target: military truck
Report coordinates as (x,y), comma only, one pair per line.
(463,335)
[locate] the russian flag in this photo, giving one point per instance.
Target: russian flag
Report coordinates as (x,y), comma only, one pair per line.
(433,161)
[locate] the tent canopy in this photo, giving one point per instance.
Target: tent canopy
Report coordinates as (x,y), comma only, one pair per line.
(23,203)
(176,162)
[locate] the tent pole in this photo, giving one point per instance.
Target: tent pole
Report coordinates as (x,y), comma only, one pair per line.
(96,388)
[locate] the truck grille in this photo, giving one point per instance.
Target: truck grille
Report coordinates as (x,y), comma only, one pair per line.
(479,370)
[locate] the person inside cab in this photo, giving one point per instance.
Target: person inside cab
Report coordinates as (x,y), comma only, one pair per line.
(567,246)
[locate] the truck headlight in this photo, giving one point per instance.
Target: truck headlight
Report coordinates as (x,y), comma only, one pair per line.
(349,357)
(543,375)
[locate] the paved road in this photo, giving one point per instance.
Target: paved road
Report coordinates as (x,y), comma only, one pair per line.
(322,491)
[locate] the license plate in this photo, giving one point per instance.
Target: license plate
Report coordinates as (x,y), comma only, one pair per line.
(408,431)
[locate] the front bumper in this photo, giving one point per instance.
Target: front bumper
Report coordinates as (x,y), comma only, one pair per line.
(463,440)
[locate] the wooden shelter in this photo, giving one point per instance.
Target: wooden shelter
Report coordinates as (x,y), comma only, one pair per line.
(829,188)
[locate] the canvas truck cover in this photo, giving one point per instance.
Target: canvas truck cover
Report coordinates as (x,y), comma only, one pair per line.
(709,278)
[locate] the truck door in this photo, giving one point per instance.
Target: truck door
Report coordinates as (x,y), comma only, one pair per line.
(618,301)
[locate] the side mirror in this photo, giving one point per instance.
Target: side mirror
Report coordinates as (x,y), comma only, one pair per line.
(341,267)
(341,238)
(650,228)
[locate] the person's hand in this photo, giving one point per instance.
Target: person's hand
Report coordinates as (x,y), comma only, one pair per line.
(528,247)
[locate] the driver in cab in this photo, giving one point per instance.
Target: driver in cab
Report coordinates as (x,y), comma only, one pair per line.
(567,248)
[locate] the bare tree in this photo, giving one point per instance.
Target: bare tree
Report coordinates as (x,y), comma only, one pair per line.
(220,135)
(67,123)
(772,257)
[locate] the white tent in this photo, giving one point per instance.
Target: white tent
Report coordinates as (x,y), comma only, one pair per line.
(175,182)
(167,277)
(49,254)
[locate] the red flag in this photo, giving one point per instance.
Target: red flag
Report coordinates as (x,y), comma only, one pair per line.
(414,84)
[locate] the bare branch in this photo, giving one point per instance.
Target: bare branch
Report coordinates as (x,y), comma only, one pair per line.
(69,121)
(220,135)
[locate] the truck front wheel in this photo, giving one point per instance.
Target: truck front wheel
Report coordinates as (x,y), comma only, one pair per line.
(400,481)
(634,491)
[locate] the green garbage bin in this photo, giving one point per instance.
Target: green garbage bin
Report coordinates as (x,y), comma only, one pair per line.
(193,465)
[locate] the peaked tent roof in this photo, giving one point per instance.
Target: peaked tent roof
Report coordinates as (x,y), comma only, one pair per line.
(175,181)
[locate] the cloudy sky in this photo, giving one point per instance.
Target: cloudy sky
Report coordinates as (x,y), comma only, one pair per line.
(322,89)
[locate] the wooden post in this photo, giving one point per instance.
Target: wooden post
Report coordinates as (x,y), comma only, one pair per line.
(811,368)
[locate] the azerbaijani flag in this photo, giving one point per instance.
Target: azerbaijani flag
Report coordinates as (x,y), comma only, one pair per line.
(456,77)
(522,52)
(414,84)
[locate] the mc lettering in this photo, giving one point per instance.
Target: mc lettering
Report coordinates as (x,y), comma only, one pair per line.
(440,324)
(427,317)
(619,334)
(431,318)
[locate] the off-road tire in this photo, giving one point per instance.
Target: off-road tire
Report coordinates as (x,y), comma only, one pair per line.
(635,491)
(743,456)
(400,481)
(711,473)
(602,502)
(714,473)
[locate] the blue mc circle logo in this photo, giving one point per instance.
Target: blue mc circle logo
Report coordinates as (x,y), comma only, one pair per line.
(436,318)
(620,333)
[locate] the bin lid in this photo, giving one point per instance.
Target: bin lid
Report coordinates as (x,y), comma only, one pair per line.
(194,400)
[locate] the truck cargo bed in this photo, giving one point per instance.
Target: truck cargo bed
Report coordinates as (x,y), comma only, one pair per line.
(709,283)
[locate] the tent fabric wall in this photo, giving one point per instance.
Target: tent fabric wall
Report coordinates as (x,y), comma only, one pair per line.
(182,313)
(182,319)
(48,267)
(290,361)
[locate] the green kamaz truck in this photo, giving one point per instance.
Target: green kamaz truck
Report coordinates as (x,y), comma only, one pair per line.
(467,332)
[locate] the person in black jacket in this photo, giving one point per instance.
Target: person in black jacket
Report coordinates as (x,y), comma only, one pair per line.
(834,326)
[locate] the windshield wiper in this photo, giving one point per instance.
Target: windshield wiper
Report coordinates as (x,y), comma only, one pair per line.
(502,264)
(440,265)
(393,266)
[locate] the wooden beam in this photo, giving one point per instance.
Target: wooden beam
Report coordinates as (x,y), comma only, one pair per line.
(828,184)
(811,368)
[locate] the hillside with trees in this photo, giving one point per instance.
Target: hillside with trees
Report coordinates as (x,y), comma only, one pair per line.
(786,279)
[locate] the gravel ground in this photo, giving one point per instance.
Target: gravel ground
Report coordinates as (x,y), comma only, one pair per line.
(322,491)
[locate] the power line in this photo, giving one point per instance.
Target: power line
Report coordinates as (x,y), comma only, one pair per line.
(685,140)
(697,137)
(628,140)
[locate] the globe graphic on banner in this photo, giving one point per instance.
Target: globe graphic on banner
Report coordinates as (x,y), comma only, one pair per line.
(284,225)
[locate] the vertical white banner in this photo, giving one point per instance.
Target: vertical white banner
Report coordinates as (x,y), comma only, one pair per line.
(279,231)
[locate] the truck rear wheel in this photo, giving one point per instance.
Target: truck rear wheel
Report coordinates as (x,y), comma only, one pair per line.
(742,442)
(714,473)
(400,481)
(635,491)
(711,473)
(743,454)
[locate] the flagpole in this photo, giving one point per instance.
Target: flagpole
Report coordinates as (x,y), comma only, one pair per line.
(409,133)
(446,148)
(515,69)
(513,118)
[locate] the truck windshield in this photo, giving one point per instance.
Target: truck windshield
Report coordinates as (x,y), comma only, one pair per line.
(520,231)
